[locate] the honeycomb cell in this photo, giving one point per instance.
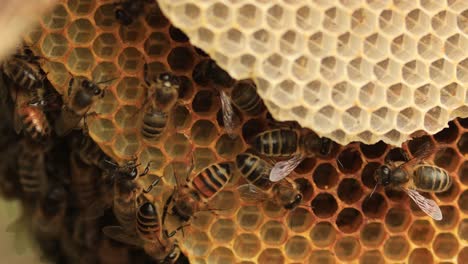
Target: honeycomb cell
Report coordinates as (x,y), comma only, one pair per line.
(322,256)
(349,191)
(155,156)
(362,21)
(430,47)
(335,20)
(126,145)
(57,19)
(272,210)
(373,151)
(221,255)
(129,90)
(325,176)
(323,234)
(291,42)
(462,71)
(367,176)
(396,248)
(181,59)
(408,120)
(435,118)
(424,96)
(441,71)
(373,46)
(307,17)
(445,245)
(463,201)
(249,217)
(104,16)
(421,255)
(347,248)
(271,255)
(403,47)
(331,69)
(249,16)
(349,220)
(218,15)
(157,45)
(203,132)
(177,35)
(463,173)
(155,18)
(372,234)
(374,206)
(297,248)
(382,119)
(414,73)
(421,232)
(277,16)
(451,217)
(102,129)
(133,34)
(463,230)
(350,161)
(81,31)
(462,143)
(203,157)
(354,118)
(58,74)
(131,60)
(273,233)
(105,46)
(228,147)
(453,47)
(80,60)
(348,45)
(417,22)
(463,255)
(446,158)
(444,23)
(299,220)
(371,257)
(314,93)
(247,245)
(371,94)
(125,117)
(397,219)
(391,21)
(225,202)
(223,230)
(398,95)
(448,134)
(177,145)
(260,41)
(203,103)
(54,45)
(452,95)
(186,88)
(324,205)
(105,73)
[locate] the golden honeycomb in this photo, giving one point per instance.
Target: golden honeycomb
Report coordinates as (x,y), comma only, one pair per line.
(363,70)
(339,221)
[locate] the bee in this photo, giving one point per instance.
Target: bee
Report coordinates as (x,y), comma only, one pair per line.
(165,90)
(33,120)
(194,195)
(82,95)
(84,179)
(244,96)
(50,214)
(89,152)
(127,11)
(256,171)
(413,176)
(32,168)
(291,143)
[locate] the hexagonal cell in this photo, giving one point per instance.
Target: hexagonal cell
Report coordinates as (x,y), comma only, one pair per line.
(157,44)
(446,158)
(247,245)
(218,15)
(299,220)
(373,46)
(421,232)
(396,248)
(421,255)
(347,248)
(451,217)
(131,60)
(430,47)
(424,96)
(203,157)
(382,120)
(445,245)
(319,43)
(156,18)
(106,46)
(399,95)
(452,95)
(463,201)
(349,220)
(453,47)
(444,22)
(155,156)
(126,145)
(362,21)
(57,19)
(272,210)
(297,248)
(350,160)
(101,130)
(463,229)
(417,22)
(129,90)
(181,59)
(335,20)
(314,94)
(291,42)
(373,234)
(348,45)
(373,151)
(277,16)
(285,93)
(374,206)
(408,120)
(441,71)
(104,16)
(80,7)
(221,255)
(177,145)
(371,95)
(228,147)
(353,119)
(331,69)
(325,176)
(204,103)
(463,173)
(203,132)
(271,255)
(273,233)
(462,71)
(80,60)
(397,219)
(249,217)
(54,45)
(81,31)
(105,73)
(349,191)
(324,205)
(462,143)
(223,230)
(323,234)
(226,202)
(125,117)
(391,21)
(403,47)
(435,118)
(367,176)
(249,16)
(463,255)
(133,34)
(322,256)
(58,75)
(260,41)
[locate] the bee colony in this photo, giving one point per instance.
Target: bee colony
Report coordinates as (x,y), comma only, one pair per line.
(126,143)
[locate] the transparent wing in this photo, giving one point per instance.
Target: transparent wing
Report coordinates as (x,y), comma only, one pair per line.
(118,233)
(251,192)
(284,168)
(428,206)
(228,114)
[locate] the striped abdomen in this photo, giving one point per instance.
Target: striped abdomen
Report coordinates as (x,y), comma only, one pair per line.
(31,172)
(212,179)
(147,225)
(34,121)
(245,97)
(277,142)
(154,123)
(22,74)
(431,178)
(83,182)
(255,170)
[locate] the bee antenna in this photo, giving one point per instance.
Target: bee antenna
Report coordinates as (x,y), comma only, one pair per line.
(375,188)
(109,80)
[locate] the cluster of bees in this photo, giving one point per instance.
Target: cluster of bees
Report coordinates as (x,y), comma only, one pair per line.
(64,175)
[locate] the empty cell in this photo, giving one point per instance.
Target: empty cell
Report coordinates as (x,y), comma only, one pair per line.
(203,132)
(323,234)
(80,60)
(445,245)
(54,45)
(442,71)
(285,94)
(315,94)
(462,19)
(226,202)
(228,147)
(396,248)
(105,73)
(421,232)
(425,96)
(297,248)
(57,19)
(125,117)
(181,59)
(247,245)
(417,22)
(305,166)
(307,17)
(376,46)
(188,15)
(58,75)
(291,43)
(452,95)
(454,47)
(274,66)
(462,71)
(391,21)
(444,23)
(131,60)
(133,34)
(463,201)
(261,41)
(203,157)
(414,72)
(435,119)
(129,89)
(223,230)
(335,20)
(271,255)
(347,248)
(155,18)
(106,46)
(403,47)
(155,156)
(349,191)
(321,43)
(358,70)
(81,31)
(249,217)
(446,158)
(200,243)
(372,257)
(397,219)
(451,217)
(348,45)
(463,230)
(325,176)
(368,174)
(221,255)
(430,47)
(218,15)
(372,234)
(349,220)
(408,120)
(299,220)
(277,16)
(448,134)
(373,151)
(272,210)
(157,44)
(243,64)
(177,145)
(104,16)
(249,16)
(273,233)
(102,129)
(463,173)
(354,119)
(126,145)
(324,205)
(421,255)
(387,71)
(382,120)
(374,206)
(203,103)
(463,255)
(362,21)
(332,68)
(232,41)
(350,160)
(343,94)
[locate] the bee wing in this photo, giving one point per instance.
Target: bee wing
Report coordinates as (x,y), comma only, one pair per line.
(428,206)
(285,167)
(251,192)
(118,233)
(228,114)
(421,154)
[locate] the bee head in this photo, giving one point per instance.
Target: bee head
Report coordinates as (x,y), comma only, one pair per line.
(172,256)
(382,175)
(296,201)
(185,206)
(169,80)
(91,87)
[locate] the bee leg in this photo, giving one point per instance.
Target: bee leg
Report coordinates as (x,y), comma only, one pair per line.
(149,188)
(145,74)
(176,230)
(146,169)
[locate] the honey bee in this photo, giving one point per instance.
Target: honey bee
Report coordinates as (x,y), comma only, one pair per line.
(413,176)
(89,152)
(194,195)
(82,95)
(33,120)
(127,11)
(165,90)
(256,171)
(84,180)
(244,96)
(50,214)
(31,168)
(291,143)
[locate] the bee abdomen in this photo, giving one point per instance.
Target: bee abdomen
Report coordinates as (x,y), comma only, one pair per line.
(431,179)
(246,98)
(154,124)
(35,122)
(212,179)
(147,221)
(276,143)
(254,170)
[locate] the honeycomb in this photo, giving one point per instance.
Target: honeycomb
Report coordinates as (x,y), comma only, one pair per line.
(350,70)
(339,220)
